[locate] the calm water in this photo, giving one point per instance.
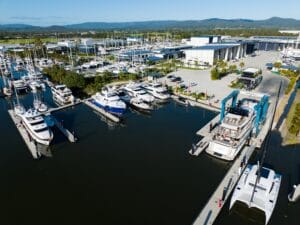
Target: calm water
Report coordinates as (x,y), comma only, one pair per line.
(135,173)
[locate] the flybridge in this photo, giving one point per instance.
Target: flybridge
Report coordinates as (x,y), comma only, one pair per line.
(261,108)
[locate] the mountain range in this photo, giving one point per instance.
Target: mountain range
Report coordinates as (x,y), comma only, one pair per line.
(213,23)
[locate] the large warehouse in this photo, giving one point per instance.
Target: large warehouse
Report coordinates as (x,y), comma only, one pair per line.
(207,54)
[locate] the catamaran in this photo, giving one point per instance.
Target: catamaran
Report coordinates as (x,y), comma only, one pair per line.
(258,188)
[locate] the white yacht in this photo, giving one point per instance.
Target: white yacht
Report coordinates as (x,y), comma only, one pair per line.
(38,104)
(157,90)
(258,189)
(233,132)
(19,109)
(62,95)
(34,123)
(20,85)
(109,101)
(140,104)
(135,91)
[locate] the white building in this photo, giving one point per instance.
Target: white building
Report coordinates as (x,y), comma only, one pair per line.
(208,54)
(66,43)
(87,41)
(201,41)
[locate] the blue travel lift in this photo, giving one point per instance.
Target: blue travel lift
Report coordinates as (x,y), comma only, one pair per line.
(261,108)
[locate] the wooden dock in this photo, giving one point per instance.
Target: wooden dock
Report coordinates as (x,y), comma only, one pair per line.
(102,111)
(26,137)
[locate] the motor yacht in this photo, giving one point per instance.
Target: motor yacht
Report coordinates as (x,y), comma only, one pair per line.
(20,85)
(140,104)
(109,101)
(231,135)
(157,90)
(136,91)
(35,125)
(258,188)
(62,95)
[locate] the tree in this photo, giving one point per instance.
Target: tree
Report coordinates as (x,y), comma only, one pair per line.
(232,68)
(242,65)
(277,65)
(74,80)
(215,74)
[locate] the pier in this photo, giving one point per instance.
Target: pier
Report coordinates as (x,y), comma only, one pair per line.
(102,111)
(70,136)
(24,134)
(51,110)
(218,199)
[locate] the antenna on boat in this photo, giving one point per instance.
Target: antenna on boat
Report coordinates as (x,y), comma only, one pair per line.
(265,146)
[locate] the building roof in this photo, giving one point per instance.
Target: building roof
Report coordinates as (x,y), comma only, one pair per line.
(216,46)
(251,70)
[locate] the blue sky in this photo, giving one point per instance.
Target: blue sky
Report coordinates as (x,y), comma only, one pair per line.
(59,12)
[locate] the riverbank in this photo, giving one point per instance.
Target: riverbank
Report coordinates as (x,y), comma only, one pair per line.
(288,130)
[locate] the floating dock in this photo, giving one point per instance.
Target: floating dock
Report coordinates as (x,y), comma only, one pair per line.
(200,146)
(71,137)
(102,111)
(26,137)
(51,110)
(216,202)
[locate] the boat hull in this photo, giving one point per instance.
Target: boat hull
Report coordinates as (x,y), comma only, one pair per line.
(113,110)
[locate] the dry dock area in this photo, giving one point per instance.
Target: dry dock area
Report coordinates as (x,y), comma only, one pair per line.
(27,139)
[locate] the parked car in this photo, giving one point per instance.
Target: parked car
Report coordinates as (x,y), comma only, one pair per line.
(183,86)
(170,77)
(176,79)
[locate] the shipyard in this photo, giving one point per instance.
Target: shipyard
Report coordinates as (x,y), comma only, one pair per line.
(153,122)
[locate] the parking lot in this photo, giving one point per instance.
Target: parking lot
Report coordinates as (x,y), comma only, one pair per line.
(200,80)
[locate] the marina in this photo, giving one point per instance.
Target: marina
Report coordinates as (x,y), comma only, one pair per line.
(149,127)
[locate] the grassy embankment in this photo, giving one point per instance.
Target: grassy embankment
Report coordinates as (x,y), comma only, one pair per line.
(293,122)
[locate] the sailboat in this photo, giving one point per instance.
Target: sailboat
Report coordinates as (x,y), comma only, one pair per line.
(7,90)
(38,103)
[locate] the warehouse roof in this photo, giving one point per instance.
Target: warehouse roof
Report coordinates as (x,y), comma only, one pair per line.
(216,46)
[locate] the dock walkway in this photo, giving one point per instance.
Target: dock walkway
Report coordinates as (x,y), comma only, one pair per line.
(71,137)
(102,111)
(26,137)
